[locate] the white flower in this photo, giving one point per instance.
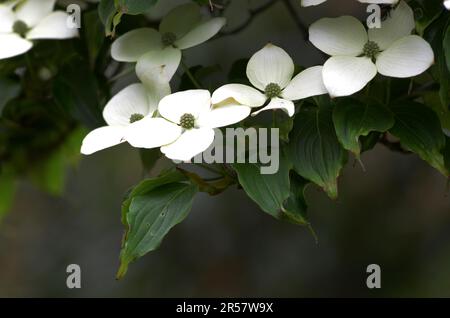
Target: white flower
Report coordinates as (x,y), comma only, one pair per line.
(307,3)
(270,70)
(25,21)
(193,119)
(447,4)
(125,114)
(181,29)
(357,55)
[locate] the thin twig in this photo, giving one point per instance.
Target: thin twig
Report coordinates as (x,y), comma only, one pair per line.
(293,12)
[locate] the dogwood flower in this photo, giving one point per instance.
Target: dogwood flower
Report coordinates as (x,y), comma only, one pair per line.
(358,55)
(307,3)
(270,70)
(447,4)
(125,114)
(193,119)
(180,29)
(25,21)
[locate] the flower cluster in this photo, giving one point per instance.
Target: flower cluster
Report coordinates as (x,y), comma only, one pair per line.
(182,124)
(22,22)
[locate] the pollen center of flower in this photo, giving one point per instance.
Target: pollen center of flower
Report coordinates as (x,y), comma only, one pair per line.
(371,49)
(20,28)
(187,121)
(272,90)
(136,117)
(168,38)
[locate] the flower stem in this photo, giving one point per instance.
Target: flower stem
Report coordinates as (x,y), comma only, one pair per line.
(190,75)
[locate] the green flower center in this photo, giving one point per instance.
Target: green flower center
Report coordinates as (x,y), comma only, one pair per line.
(272,90)
(187,121)
(20,28)
(371,49)
(136,117)
(168,38)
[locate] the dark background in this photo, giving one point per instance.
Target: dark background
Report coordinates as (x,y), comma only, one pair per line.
(396,214)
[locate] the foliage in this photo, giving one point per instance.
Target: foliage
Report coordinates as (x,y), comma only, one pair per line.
(48,97)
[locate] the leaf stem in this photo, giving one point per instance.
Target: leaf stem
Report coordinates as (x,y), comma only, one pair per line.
(190,75)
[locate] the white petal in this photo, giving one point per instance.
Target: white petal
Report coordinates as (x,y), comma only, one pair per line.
(7,19)
(152,132)
(345,35)
(131,100)
(201,33)
(407,57)
(223,115)
(242,94)
(132,45)
(306,84)
(191,143)
(102,138)
(33,11)
(12,45)
(53,26)
(279,103)
(194,102)
(158,66)
(399,23)
(307,3)
(269,65)
(181,20)
(344,75)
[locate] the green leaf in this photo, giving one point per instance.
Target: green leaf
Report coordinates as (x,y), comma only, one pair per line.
(147,186)
(315,150)
(135,7)
(295,207)
(150,217)
(426,12)
(269,191)
(94,36)
(446,45)
(279,195)
(353,119)
(50,173)
(106,12)
(420,131)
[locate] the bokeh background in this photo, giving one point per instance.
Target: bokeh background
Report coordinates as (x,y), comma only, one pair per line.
(396,214)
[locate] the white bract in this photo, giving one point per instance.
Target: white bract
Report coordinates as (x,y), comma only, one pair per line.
(447,4)
(358,55)
(307,3)
(193,119)
(21,22)
(125,114)
(158,53)
(270,70)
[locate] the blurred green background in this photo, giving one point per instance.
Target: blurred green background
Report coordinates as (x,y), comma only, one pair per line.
(396,214)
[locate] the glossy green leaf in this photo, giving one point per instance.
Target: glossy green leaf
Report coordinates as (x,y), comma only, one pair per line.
(353,119)
(269,191)
(315,150)
(150,217)
(134,7)
(420,131)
